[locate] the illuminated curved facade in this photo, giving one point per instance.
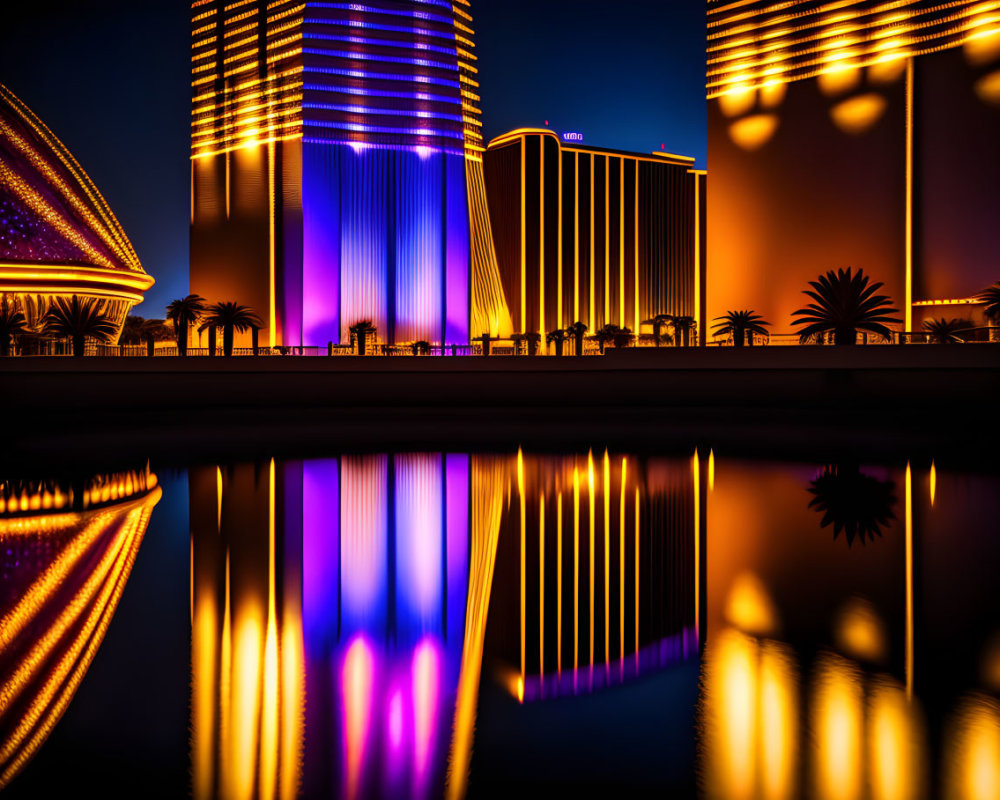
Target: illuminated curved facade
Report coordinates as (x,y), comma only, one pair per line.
(58,237)
(853,134)
(68,550)
(335,173)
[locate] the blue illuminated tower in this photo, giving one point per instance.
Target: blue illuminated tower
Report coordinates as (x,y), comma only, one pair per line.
(335,149)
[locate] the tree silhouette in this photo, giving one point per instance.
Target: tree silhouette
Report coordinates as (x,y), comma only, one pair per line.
(991,298)
(739,323)
(132,330)
(232,318)
(856,504)
(606,335)
(184,313)
(533,338)
(79,320)
(12,323)
(577,330)
(683,328)
(421,348)
(558,339)
(845,303)
(360,332)
(946,331)
(659,322)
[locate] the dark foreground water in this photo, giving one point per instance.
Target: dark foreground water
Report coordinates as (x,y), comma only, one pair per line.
(500,624)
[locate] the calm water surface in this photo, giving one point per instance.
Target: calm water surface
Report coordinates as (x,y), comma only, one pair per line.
(423,624)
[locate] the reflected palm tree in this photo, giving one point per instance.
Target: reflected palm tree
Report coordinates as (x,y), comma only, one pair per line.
(856,504)
(845,303)
(79,320)
(12,323)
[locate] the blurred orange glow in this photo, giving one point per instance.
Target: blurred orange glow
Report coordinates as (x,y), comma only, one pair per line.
(858,114)
(738,100)
(838,79)
(752,133)
(988,88)
(972,751)
(860,633)
(359,667)
(838,714)
(895,746)
(749,608)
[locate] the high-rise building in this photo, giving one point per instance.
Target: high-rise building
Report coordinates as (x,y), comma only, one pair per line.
(594,235)
(335,160)
(58,237)
(853,134)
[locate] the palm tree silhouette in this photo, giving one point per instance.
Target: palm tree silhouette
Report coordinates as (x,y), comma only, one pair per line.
(659,322)
(577,330)
(79,320)
(558,338)
(845,303)
(486,339)
(857,504)
(152,331)
(360,332)
(183,314)
(12,323)
(991,298)
(132,330)
(946,331)
(231,317)
(683,327)
(421,348)
(533,338)
(606,335)
(739,323)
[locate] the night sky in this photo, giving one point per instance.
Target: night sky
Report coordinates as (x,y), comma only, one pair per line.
(111,79)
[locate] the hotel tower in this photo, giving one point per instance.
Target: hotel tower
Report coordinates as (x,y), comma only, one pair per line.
(336,169)
(853,134)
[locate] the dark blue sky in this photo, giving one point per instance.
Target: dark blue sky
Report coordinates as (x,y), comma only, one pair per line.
(110,78)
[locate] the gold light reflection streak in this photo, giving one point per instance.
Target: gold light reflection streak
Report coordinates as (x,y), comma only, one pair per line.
(838,724)
(560,322)
(31,663)
(559,569)
(607,558)
(218,496)
(607,240)
(576,568)
(524,527)
(697,271)
(593,522)
(292,698)
(204,635)
(541,584)
(711,470)
(933,482)
(51,701)
(226,687)
(696,474)
(621,571)
(245,711)
(909,195)
(269,712)
(487,508)
(972,765)
(909,582)
(895,759)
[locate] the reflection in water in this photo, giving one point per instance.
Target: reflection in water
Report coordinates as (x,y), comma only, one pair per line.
(856,504)
(972,769)
(68,549)
(346,581)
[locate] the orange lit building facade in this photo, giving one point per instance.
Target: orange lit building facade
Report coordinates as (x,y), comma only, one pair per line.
(857,134)
(594,235)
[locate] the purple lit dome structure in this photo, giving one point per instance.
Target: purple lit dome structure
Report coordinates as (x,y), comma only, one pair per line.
(58,237)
